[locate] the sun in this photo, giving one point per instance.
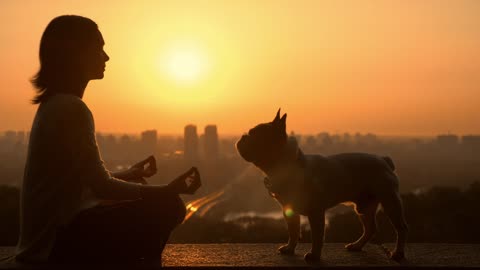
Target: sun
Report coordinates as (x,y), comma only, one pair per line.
(185,65)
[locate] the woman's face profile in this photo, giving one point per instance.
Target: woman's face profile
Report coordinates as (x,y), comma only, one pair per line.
(94,58)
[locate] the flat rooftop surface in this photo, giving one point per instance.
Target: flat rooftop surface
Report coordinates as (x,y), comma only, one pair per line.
(334,256)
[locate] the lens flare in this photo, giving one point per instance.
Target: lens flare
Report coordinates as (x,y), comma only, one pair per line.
(207,201)
(289,212)
(204,204)
(208,207)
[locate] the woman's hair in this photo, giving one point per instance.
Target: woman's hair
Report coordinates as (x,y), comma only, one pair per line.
(60,52)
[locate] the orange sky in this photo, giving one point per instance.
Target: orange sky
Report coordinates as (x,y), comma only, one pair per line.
(388,67)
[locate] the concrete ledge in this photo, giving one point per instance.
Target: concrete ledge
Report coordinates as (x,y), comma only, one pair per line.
(425,256)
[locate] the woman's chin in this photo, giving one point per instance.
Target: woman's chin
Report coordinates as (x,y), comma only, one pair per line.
(98,76)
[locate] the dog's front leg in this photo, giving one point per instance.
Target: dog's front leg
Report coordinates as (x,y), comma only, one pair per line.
(317,226)
(293,223)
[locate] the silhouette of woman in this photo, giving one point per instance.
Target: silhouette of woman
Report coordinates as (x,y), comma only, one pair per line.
(72,208)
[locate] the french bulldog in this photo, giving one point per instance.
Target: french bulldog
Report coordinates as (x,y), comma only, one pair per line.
(310,184)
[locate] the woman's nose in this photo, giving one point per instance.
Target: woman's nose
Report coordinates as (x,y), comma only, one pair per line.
(106,57)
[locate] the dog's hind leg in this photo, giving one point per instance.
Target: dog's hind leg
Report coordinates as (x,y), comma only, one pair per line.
(392,205)
(317,226)
(367,214)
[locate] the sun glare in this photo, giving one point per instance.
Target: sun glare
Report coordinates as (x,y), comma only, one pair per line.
(185,65)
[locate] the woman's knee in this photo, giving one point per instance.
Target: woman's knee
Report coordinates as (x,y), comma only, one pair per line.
(168,209)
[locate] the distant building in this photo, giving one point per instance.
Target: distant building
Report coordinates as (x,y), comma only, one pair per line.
(125,140)
(10,136)
(190,138)
(370,138)
(324,139)
(310,143)
(148,140)
(21,137)
(471,141)
(447,140)
(211,142)
(347,138)
(110,140)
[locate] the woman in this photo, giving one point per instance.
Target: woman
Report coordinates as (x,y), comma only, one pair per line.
(64,217)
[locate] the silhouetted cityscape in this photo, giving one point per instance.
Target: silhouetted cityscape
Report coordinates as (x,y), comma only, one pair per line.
(211,150)
(436,173)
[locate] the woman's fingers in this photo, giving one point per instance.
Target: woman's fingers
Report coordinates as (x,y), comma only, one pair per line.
(153,163)
(186,174)
(195,184)
(188,182)
(152,167)
(142,163)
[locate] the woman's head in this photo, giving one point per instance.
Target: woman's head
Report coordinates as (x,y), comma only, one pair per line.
(71,54)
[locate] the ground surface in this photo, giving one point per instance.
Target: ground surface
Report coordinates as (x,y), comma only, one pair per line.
(334,255)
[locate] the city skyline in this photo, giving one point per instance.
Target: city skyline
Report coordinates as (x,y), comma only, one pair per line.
(192,139)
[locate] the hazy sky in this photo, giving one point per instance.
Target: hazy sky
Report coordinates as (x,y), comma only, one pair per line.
(400,67)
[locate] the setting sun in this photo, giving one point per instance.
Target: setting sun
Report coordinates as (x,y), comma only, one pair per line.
(185,64)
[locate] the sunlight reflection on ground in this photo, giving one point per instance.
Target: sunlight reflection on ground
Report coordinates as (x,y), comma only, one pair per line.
(334,254)
(264,255)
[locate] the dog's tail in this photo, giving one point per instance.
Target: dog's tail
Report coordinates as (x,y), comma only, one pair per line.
(389,162)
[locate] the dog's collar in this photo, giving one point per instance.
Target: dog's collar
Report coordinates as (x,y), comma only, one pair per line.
(291,152)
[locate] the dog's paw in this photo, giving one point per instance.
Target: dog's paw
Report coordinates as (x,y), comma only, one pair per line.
(312,257)
(397,255)
(353,247)
(286,250)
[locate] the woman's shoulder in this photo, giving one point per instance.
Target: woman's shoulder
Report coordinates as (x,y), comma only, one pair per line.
(66,103)
(64,106)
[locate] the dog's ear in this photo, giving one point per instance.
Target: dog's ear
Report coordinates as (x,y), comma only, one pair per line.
(282,123)
(277,117)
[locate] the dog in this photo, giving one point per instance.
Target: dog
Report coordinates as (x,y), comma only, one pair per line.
(310,184)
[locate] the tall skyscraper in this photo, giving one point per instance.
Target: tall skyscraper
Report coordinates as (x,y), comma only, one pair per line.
(211,142)
(190,138)
(149,140)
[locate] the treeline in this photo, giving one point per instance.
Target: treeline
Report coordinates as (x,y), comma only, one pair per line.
(437,215)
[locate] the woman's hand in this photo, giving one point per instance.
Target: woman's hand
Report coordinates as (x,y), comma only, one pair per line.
(140,171)
(187,183)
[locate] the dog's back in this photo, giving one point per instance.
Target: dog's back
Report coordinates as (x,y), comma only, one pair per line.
(363,163)
(342,177)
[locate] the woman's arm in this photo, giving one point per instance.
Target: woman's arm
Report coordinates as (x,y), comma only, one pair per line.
(90,165)
(124,175)
(138,172)
(129,175)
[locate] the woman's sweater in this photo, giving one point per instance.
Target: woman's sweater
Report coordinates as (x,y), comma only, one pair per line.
(64,174)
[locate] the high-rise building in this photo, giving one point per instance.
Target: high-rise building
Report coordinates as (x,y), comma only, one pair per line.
(211,142)
(190,138)
(447,140)
(149,140)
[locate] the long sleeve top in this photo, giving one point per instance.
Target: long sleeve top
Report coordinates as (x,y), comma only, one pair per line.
(64,174)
